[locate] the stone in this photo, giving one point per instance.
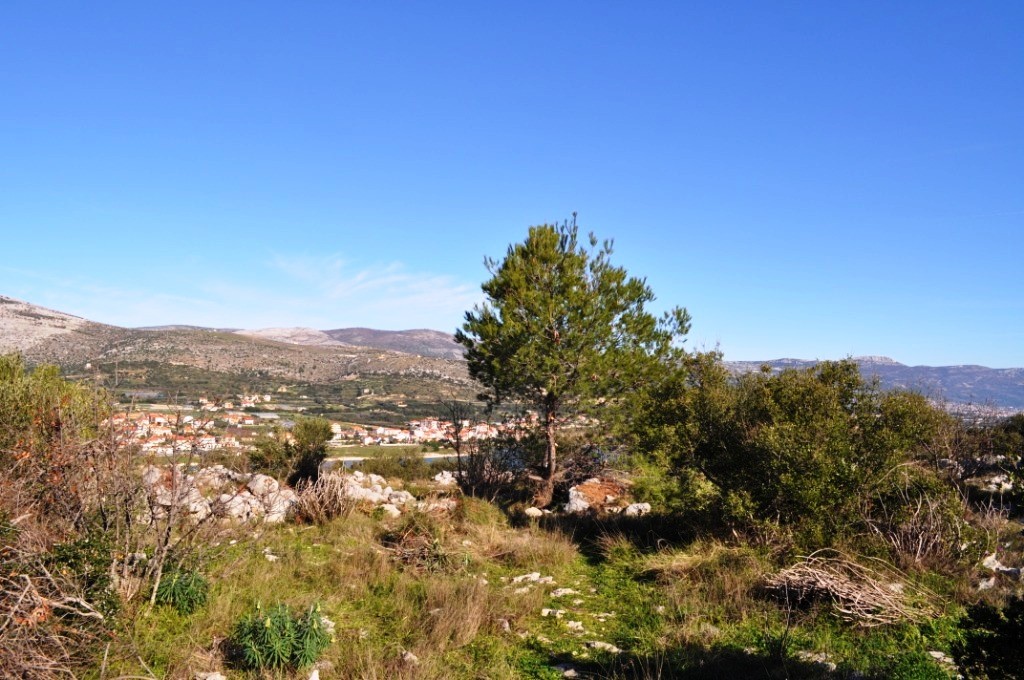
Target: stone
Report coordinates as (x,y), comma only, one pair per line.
(262,485)
(199,510)
(151,475)
(445,478)
(278,504)
(533,577)
(390,510)
(534,512)
(440,505)
(637,509)
(239,507)
(400,497)
(410,659)
(603,647)
(577,504)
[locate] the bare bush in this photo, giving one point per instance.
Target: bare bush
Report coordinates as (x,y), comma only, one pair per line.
(323,500)
(867,596)
(78,535)
(47,625)
(922,523)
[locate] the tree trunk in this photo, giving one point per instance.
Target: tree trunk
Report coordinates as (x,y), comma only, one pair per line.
(546,491)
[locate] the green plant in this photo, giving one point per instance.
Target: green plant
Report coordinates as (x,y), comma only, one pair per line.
(278,638)
(991,645)
(185,591)
(561,329)
(806,451)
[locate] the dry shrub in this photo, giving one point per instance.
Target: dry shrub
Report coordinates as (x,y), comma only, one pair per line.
(922,521)
(418,541)
(868,596)
(323,500)
(46,624)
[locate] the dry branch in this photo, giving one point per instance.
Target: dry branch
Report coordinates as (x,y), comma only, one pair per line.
(867,596)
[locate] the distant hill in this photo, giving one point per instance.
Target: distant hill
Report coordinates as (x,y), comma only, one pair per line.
(190,360)
(421,341)
(294,336)
(186,327)
(1000,387)
(414,365)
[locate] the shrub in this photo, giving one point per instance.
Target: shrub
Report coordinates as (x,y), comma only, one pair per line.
(296,455)
(399,464)
(921,518)
(279,639)
(185,591)
(804,450)
(323,500)
(418,541)
(991,644)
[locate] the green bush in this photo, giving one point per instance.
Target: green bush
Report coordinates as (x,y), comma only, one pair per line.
(294,455)
(804,450)
(279,639)
(86,562)
(185,591)
(991,645)
(400,465)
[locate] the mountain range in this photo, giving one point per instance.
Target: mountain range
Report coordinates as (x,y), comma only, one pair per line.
(409,365)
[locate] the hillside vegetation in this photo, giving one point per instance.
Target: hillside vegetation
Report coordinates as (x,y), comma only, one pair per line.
(846,536)
(642,513)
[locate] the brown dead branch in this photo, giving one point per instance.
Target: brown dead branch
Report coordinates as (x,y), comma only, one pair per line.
(867,596)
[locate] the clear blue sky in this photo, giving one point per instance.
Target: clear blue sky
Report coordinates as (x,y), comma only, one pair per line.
(811,180)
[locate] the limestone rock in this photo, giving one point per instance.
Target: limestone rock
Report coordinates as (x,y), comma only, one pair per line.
(578,503)
(262,486)
(637,509)
(390,510)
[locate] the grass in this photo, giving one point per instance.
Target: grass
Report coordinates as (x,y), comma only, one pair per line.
(684,610)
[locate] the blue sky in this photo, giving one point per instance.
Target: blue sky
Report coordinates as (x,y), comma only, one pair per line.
(810,180)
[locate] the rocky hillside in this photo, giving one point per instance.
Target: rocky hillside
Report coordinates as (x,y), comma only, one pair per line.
(421,341)
(283,355)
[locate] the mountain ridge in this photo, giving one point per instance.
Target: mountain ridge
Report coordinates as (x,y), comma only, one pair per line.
(315,356)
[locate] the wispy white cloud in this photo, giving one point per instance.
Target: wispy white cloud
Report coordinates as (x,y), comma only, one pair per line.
(287,290)
(386,295)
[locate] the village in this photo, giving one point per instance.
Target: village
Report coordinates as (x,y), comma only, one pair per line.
(233,427)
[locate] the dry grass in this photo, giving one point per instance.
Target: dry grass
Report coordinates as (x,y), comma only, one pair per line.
(456,610)
(526,549)
(708,583)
